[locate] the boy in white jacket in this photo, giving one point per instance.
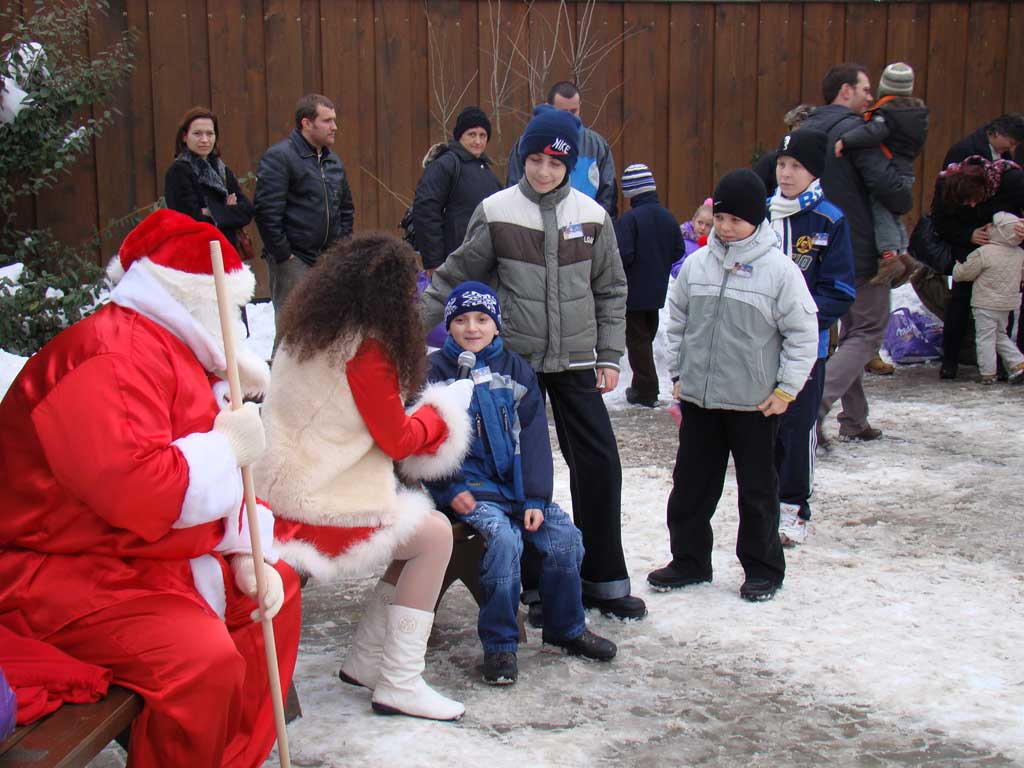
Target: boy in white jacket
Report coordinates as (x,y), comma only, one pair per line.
(743,332)
(997,270)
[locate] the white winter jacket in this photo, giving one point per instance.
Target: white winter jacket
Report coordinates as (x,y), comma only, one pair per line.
(996,268)
(742,323)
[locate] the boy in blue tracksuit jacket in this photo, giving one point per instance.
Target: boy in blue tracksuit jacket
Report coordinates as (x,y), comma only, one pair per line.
(815,234)
(503,489)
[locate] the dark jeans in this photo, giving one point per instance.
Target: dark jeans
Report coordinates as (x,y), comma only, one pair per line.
(561,548)
(595,481)
(794,447)
(641,328)
(957,323)
(706,438)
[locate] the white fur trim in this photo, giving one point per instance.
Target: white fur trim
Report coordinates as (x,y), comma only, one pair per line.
(367,557)
(253,372)
(114,270)
(209,580)
(185,286)
(214,480)
(453,450)
(238,541)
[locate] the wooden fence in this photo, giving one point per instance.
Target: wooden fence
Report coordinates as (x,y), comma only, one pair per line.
(694,90)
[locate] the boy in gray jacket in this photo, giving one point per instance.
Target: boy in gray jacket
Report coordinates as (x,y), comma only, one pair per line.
(743,332)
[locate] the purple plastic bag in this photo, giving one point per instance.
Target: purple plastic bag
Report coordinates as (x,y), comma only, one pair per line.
(437,334)
(912,337)
(8,708)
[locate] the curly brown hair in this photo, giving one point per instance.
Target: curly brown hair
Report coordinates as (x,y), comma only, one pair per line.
(965,185)
(360,287)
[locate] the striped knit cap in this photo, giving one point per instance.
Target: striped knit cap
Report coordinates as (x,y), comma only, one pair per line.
(637,178)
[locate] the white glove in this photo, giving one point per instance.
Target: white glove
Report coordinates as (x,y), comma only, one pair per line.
(461,392)
(244,430)
(243,566)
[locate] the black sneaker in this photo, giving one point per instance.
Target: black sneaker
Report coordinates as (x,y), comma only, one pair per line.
(758,590)
(627,607)
(670,577)
(588,645)
(535,615)
(500,668)
(634,398)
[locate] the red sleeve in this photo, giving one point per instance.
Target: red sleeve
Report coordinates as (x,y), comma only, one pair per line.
(374,383)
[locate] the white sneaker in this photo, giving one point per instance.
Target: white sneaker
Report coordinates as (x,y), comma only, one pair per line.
(792,527)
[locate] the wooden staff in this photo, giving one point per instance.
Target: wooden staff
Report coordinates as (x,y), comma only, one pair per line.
(217,258)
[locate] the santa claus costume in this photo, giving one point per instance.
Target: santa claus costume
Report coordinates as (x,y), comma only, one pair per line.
(123,540)
(335,425)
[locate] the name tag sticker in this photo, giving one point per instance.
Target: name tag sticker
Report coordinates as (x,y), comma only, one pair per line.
(743,270)
(572,231)
(481,375)
(821,238)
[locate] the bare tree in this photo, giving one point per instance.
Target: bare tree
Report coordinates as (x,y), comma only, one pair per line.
(444,75)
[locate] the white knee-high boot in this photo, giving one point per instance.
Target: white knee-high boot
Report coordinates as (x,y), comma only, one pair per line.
(362,664)
(401,689)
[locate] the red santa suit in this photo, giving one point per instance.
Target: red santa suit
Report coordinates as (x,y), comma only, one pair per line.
(335,425)
(120,503)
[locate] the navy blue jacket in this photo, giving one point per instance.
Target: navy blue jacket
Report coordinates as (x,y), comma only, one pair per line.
(650,242)
(509,460)
(819,243)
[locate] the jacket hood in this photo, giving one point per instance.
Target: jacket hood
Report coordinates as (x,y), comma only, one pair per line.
(745,251)
(909,119)
(1002,229)
(825,118)
(436,150)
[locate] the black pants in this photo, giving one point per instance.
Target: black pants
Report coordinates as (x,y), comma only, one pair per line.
(794,446)
(957,323)
(595,480)
(706,438)
(641,328)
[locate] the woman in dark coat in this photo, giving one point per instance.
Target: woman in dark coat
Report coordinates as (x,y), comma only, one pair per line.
(967,196)
(199,184)
(456,177)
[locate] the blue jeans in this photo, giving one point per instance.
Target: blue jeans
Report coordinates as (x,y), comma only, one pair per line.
(561,548)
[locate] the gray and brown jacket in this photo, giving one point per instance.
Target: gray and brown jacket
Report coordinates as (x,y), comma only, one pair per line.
(554,262)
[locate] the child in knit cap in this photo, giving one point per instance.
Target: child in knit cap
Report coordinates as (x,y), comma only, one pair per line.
(997,270)
(503,489)
(898,122)
(744,335)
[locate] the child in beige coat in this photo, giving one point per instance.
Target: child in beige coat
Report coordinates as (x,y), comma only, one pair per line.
(997,270)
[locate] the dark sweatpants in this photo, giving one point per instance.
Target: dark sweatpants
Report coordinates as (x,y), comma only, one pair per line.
(794,447)
(956,324)
(595,481)
(706,438)
(641,328)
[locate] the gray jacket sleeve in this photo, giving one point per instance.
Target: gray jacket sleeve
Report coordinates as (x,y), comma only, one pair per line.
(881,179)
(608,284)
(473,260)
(870,134)
(798,323)
(678,317)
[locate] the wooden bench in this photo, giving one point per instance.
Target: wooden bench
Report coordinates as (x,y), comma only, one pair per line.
(74,734)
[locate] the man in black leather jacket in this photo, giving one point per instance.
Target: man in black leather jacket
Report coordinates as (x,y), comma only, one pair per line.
(849,182)
(303,201)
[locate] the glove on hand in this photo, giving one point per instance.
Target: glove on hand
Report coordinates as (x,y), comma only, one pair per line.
(244,568)
(462,393)
(244,430)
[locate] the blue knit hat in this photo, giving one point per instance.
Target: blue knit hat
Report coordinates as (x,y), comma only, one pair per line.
(551,132)
(472,296)
(637,178)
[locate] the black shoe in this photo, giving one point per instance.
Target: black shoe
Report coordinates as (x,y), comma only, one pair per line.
(866,434)
(627,607)
(633,398)
(670,577)
(500,668)
(947,371)
(535,615)
(758,590)
(588,645)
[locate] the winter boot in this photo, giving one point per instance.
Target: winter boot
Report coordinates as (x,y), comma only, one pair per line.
(362,664)
(401,689)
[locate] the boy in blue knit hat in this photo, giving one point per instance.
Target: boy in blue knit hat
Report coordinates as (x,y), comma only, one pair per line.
(550,254)
(504,487)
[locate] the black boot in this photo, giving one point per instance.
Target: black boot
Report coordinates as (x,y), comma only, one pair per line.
(628,607)
(758,590)
(588,645)
(670,577)
(500,668)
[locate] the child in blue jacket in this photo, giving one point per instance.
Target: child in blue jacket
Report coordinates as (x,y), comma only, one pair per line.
(504,488)
(814,233)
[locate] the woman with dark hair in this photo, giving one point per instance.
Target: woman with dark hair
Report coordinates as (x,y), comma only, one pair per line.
(199,184)
(967,195)
(351,353)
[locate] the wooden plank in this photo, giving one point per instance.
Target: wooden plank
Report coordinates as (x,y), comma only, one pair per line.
(312,47)
(865,37)
(822,46)
(283,32)
(735,101)
(147,188)
(689,104)
(947,52)
(503,28)
(602,87)
(985,83)
(549,44)
(199,50)
(1013,98)
(452,60)
(778,71)
(171,73)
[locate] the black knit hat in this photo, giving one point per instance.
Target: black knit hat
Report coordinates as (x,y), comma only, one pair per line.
(808,146)
(741,193)
(471,117)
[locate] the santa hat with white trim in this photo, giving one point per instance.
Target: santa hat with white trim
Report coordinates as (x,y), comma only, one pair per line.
(175,248)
